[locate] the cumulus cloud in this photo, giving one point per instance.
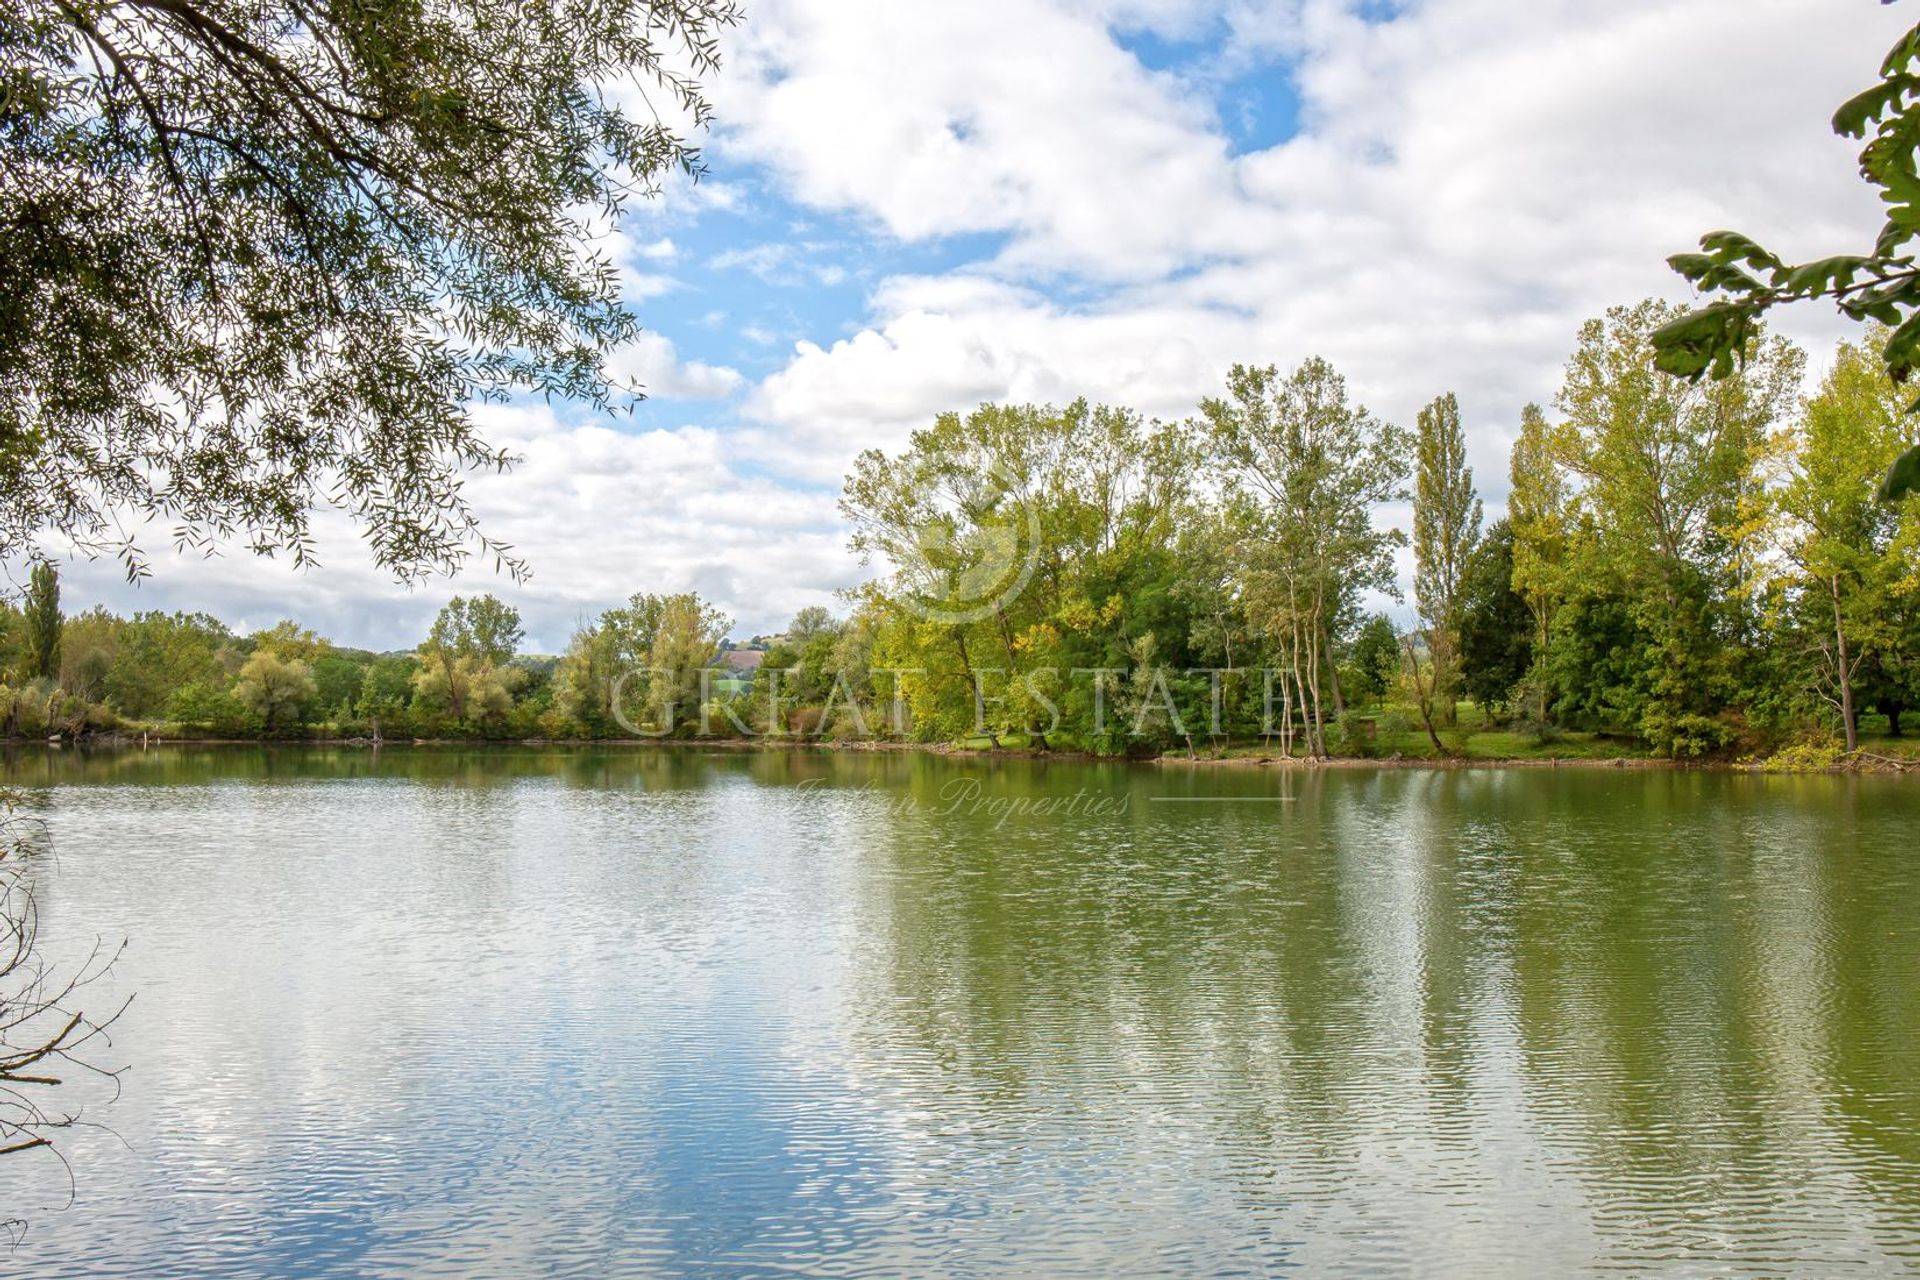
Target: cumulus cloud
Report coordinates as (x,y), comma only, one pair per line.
(651,363)
(1002,114)
(599,510)
(1472,180)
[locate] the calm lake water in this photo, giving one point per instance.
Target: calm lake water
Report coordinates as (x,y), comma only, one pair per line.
(435,1013)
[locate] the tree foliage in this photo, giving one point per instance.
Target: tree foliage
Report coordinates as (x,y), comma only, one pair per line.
(41,615)
(274,688)
(258,255)
(1496,624)
(1845,575)
(1314,466)
(463,661)
(1446,529)
(1880,285)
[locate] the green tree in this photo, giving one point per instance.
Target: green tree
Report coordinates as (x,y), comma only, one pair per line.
(89,648)
(1315,466)
(813,621)
(1838,544)
(1496,626)
(159,653)
(257,255)
(1446,528)
(584,683)
(1373,659)
(336,683)
(208,706)
(462,656)
(274,688)
(41,610)
(1537,513)
(387,684)
(1664,473)
(1022,540)
(291,640)
(605,683)
(685,643)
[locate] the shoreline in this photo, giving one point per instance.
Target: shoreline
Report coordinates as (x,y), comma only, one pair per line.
(1871,764)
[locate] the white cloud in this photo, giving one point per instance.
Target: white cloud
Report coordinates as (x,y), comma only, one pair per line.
(599,512)
(1002,114)
(651,362)
(1473,178)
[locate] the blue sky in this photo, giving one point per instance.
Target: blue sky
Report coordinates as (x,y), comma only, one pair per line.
(913,208)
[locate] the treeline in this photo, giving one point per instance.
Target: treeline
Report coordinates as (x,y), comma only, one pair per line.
(1688,568)
(647,668)
(1693,568)
(188,673)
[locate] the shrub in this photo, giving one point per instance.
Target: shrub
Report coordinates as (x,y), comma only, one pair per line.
(1352,736)
(1819,756)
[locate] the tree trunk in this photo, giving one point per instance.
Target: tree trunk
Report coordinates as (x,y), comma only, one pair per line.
(1423,696)
(1333,684)
(1847,713)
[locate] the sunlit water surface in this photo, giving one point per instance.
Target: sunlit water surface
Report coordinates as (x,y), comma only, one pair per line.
(439,1013)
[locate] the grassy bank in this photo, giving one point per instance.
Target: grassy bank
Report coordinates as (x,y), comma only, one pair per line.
(1473,740)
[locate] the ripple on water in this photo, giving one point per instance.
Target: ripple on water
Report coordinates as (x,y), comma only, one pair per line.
(469,1014)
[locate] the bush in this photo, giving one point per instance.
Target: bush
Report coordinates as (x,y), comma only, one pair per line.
(1541,733)
(1352,736)
(211,709)
(1819,756)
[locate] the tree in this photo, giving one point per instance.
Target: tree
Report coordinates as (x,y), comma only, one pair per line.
(1315,466)
(814,620)
(291,640)
(336,681)
(685,644)
(1663,474)
(584,683)
(1373,659)
(89,649)
(852,657)
(642,659)
(1496,626)
(1022,541)
(1882,285)
(494,629)
(258,254)
(274,688)
(160,653)
(42,615)
(1537,508)
(1838,544)
(469,641)
(1446,527)
(387,684)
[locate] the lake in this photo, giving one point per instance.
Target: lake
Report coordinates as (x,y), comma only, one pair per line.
(439,1012)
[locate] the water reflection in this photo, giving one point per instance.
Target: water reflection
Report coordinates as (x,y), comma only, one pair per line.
(479,1012)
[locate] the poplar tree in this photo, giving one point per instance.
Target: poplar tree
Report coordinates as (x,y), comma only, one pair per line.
(1537,512)
(1446,529)
(42,612)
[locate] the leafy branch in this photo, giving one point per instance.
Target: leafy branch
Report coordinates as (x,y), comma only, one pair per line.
(1882,286)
